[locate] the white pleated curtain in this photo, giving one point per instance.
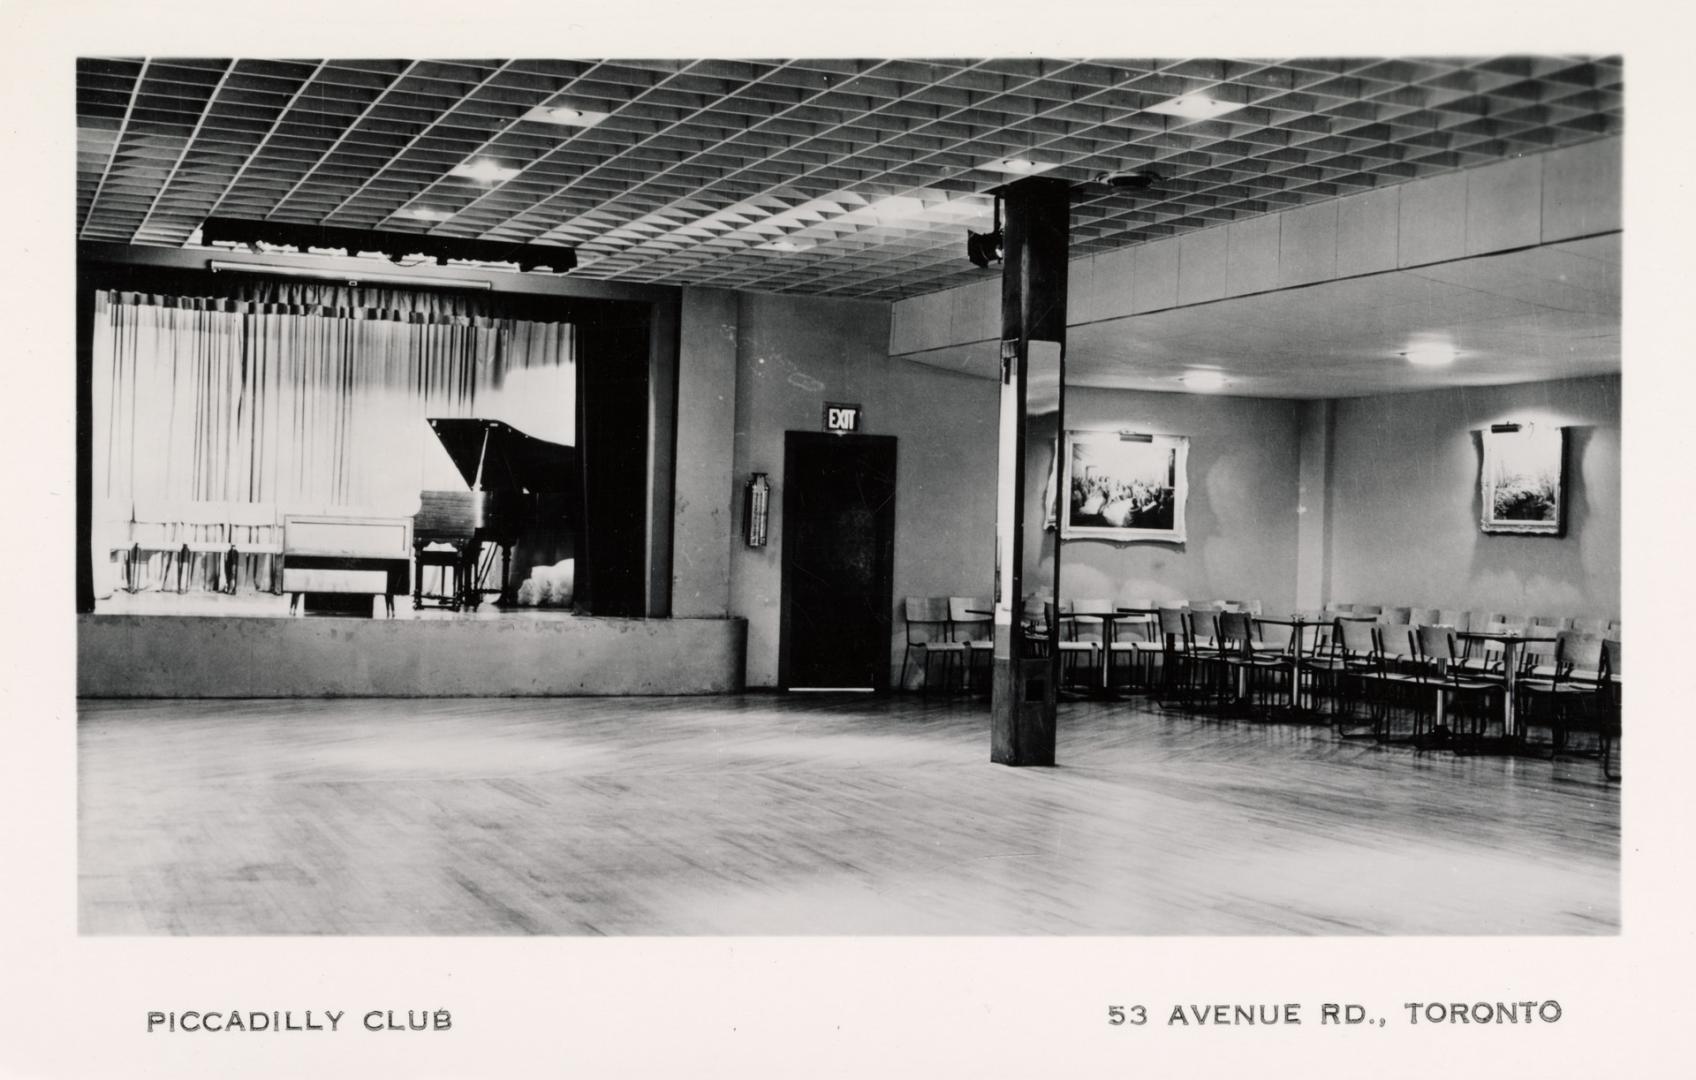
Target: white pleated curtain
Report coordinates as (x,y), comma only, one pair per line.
(206,403)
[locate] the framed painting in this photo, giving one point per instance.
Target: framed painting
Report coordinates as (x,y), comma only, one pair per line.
(1523,480)
(1123,486)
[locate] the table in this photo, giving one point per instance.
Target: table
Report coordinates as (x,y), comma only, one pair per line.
(1511,641)
(1299,623)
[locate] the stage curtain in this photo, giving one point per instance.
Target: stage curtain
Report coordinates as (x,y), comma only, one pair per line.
(294,401)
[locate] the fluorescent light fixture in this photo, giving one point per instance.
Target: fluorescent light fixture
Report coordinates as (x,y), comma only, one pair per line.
(1431,354)
(347,277)
(565,115)
(484,171)
(784,245)
(1204,380)
(1018,166)
(1195,107)
(427,213)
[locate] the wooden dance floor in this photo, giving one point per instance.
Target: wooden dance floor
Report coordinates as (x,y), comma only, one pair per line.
(767,814)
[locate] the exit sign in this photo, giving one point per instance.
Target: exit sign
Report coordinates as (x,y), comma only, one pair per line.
(842,417)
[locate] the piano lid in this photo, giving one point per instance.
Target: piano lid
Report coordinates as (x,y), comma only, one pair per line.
(511,460)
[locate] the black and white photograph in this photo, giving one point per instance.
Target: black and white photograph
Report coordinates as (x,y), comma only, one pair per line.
(564,506)
(1125,486)
(423,396)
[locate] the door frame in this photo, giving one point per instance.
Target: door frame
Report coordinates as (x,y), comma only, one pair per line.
(885,586)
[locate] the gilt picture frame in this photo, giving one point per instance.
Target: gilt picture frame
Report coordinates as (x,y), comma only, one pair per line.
(1123,486)
(1522,482)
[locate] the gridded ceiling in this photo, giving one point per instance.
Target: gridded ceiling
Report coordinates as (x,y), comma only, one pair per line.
(842,177)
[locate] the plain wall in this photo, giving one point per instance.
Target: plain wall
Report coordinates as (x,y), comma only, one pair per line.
(795,353)
(1405,504)
(1240,516)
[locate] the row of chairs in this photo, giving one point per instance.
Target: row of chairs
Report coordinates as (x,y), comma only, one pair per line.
(1568,683)
(176,543)
(1215,655)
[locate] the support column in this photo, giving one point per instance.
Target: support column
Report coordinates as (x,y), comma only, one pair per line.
(1033,339)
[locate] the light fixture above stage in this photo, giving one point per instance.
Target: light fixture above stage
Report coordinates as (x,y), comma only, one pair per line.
(985,248)
(284,238)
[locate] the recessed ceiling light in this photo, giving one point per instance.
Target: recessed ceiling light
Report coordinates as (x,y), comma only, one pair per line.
(1018,166)
(426,213)
(484,171)
(1431,354)
(1195,107)
(565,115)
(1204,380)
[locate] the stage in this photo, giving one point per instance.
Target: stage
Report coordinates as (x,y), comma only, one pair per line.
(206,645)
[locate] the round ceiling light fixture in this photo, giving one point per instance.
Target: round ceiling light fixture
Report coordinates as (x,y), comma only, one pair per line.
(1431,354)
(1204,379)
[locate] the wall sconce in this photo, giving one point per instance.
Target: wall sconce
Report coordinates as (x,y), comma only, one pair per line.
(756,509)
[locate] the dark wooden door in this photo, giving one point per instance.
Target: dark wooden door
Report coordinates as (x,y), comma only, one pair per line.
(838,560)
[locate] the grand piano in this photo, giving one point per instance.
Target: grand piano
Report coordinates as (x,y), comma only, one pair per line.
(523,504)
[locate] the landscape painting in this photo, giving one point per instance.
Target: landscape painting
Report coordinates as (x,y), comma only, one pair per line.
(1522,480)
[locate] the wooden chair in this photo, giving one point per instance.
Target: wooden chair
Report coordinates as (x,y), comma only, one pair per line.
(1567,693)
(1396,616)
(156,545)
(1176,668)
(1612,720)
(205,531)
(1136,637)
(1400,675)
(928,634)
(1084,629)
(1461,694)
(1453,619)
(1354,662)
(975,630)
(256,541)
(1250,665)
(110,524)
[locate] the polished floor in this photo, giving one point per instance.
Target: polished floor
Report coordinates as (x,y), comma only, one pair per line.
(773,815)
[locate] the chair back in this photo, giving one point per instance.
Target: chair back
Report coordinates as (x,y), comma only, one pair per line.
(1174,624)
(1559,622)
(927,618)
(1513,621)
(1539,652)
(1135,627)
(1233,631)
(1088,620)
(1395,641)
(1422,616)
(1455,620)
(1611,656)
(1436,644)
(1579,656)
(1339,608)
(966,625)
(1596,626)
(1359,638)
(1368,609)
(1396,616)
